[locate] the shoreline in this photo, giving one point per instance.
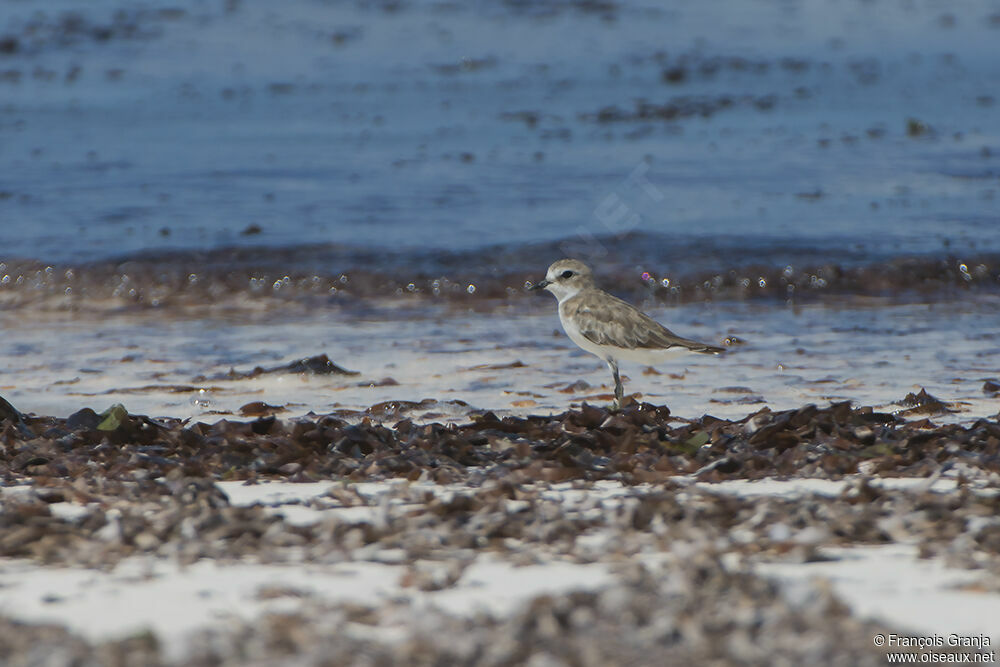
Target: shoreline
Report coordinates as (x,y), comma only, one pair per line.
(514,361)
(262,279)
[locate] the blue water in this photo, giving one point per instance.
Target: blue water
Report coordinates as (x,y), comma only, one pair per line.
(385,125)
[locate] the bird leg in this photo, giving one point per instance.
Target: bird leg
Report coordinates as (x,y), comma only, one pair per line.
(619,392)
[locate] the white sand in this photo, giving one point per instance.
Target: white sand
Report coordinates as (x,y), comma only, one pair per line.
(887,583)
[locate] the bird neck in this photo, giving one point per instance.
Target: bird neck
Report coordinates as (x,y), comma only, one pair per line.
(567,293)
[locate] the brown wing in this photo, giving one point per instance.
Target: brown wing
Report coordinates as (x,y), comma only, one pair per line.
(607,320)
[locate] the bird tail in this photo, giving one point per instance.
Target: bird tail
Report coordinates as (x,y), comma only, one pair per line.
(702,348)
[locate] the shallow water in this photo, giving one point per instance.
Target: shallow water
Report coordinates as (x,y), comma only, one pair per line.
(515,361)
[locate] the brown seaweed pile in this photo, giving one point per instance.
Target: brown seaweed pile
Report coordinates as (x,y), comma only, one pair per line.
(188,518)
(147,487)
(677,611)
(642,443)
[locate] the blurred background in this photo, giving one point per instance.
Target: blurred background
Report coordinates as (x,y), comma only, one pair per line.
(422,137)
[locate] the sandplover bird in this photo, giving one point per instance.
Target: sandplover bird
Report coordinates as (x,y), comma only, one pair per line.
(608,327)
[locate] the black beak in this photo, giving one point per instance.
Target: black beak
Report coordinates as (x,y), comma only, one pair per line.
(541,284)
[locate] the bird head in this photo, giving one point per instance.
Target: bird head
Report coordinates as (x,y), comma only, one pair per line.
(566,278)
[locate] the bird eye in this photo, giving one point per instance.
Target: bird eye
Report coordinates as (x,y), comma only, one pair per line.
(566,274)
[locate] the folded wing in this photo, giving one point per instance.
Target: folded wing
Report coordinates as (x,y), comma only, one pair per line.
(611,321)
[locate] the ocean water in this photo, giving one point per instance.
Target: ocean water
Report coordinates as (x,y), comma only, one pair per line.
(224,184)
(837,127)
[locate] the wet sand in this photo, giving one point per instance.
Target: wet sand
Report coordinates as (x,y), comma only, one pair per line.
(507,356)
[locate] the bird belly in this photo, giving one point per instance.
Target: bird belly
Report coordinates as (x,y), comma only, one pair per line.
(645,355)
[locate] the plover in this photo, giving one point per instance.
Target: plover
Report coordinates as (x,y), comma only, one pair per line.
(608,327)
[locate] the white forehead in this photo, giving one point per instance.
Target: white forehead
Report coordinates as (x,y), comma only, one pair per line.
(557,268)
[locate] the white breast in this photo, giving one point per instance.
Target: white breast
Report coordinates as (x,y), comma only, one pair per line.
(569,326)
